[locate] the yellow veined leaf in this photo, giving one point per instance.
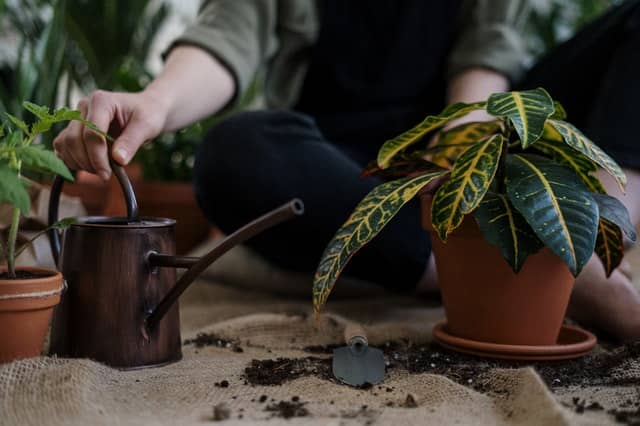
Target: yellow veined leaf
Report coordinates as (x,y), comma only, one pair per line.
(578,162)
(527,110)
(366,221)
(469,182)
(613,210)
(557,205)
(398,144)
(609,245)
(458,139)
(574,138)
(559,112)
(550,133)
(502,226)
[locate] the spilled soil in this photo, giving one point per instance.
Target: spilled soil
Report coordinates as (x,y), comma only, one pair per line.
(598,369)
(269,372)
(288,409)
(209,339)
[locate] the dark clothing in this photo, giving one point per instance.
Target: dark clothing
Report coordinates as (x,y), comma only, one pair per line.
(255,161)
(596,77)
(369,77)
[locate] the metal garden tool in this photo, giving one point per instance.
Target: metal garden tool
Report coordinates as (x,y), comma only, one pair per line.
(357,364)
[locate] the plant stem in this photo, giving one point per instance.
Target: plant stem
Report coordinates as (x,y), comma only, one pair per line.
(11,245)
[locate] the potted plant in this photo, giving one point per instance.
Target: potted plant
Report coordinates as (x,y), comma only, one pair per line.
(27,294)
(514,210)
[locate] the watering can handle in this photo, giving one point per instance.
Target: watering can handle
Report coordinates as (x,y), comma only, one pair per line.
(54,203)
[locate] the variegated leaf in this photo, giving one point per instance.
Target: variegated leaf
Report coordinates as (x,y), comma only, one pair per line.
(392,147)
(505,228)
(469,182)
(400,167)
(557,205)
(609,245)
(578,162)
(527,110)
(559,112)
(613,210)
(574,138)
(456,140)
(366,221)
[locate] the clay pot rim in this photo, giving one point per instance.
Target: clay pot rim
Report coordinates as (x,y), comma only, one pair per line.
(121,222)
(51,276)
(587,342)
(28,294)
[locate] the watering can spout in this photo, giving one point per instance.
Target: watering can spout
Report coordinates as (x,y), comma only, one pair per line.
(196,266)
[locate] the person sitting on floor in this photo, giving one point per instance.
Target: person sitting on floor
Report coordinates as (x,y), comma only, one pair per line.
(338,79)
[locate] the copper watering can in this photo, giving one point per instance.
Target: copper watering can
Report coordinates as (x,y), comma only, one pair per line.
(120,304)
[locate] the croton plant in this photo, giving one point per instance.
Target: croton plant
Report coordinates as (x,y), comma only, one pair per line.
(527,177)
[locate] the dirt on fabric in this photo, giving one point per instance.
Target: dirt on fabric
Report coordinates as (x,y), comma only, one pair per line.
(269,372)
(288,409)
(209,339)
(596,369)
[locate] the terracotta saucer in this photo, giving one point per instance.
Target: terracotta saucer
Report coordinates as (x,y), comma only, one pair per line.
(573,342)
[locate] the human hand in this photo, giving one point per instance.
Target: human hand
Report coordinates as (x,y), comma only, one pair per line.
(131,118)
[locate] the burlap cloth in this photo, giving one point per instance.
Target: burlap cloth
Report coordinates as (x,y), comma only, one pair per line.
(49,391)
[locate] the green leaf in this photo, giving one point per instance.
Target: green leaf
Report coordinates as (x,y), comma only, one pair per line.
(21,124)
(527,111)
(556,204)
(370,216)
(578,162)
(398,144)
(39,159)
(609,245)
(12,189)
(505,228)
(42,112)
(456,140)
(46,119)
(559,112)
(12,140)
(574,138)
(613,210)
(469,182)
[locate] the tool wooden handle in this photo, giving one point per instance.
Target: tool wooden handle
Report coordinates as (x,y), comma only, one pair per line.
(354,330)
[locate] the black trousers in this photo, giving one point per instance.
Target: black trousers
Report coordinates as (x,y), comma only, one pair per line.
(255,161)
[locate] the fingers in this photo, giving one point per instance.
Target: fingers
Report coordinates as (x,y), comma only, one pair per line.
(137,131)
(83,149)
(69,145)
(100,111)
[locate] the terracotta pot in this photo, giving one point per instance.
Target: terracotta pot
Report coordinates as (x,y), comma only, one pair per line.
(486,301)
(175,200)
(26,306)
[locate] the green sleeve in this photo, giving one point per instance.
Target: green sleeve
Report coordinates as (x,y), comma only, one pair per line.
(239,33)
(491,36)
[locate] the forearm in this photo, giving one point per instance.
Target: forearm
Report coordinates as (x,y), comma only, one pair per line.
(193,85)
(475,84)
